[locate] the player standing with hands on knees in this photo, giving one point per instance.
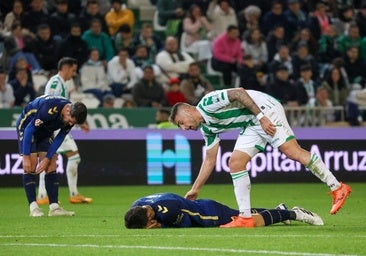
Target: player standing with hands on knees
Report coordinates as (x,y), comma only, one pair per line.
(56,86)
(261,120)
(35,129)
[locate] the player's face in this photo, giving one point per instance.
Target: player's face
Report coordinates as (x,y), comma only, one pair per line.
(151,221)
(185,119)
(70,72)
(66,116)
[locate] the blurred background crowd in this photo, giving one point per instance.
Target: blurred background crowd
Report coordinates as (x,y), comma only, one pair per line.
(305,53)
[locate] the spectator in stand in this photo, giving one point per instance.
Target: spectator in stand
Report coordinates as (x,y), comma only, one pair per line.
(319,21)
(254,44)
(121,71)
(74,46)
(24,91)
(93,77)
(239,5)
(344,20)
(74,6)
(147,92)
(195,86)
(356,98)
(124,39)
(361,19)
(162,119)
(147,37)
(169,10)
(302,57)
(251,76)
(61,20)
(305,36)
(321,99)
(44,48)
(6,91)
(328,49)
(16,15)
(118,16)
(142,59)
(196,27)
(282,88)
(274,40)
(295,19)
(96,38)
(336,87)
(104,6)
(172,61)
(16,32)
(352,38)
(221,16)
(21,63)
(108,101)
(227,54)
(203,5)
(128,103)
(354,66)
(248,19)
(282,57)
(273,18)
(35,16)
(305,85)
(91,12)
(174,94)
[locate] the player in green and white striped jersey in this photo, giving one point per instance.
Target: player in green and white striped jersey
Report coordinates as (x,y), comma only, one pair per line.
(261,120)
(67,68)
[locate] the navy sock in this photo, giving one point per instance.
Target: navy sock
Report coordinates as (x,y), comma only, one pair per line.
(29,184)
(51,182)
(274,216)
(258,210)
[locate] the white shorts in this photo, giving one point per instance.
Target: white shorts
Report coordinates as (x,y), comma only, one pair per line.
(254,139)
(67,145)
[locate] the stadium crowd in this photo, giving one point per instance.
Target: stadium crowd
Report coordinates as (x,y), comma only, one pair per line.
(303,52)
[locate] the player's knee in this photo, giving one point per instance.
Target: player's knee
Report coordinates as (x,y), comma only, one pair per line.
(236,164)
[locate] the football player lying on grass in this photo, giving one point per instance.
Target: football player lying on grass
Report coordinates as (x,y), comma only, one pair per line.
(165,210)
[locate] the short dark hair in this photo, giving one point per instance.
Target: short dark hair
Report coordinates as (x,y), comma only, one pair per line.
(174,111)
(136,217)
(231,27)
(79,111)
(66,61)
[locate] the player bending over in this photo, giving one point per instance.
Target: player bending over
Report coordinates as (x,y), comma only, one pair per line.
(165,210)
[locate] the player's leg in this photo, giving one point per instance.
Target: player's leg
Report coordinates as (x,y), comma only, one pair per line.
(212,214)
(42,197)
(70,150)
(285,140)
(245,148)
(339,190)
(29,184)
(52,186)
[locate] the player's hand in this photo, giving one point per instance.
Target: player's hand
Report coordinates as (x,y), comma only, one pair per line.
(191,195)
(268,126)
(43,165)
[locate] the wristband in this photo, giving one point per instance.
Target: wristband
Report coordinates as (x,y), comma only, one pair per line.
(259,116)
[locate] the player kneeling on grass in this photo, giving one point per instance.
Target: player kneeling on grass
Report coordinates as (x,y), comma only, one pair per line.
(35,129)
(166,210)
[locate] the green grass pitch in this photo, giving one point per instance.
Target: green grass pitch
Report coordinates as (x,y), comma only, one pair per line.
(98,229)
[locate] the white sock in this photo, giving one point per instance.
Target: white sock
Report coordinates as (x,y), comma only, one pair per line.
(42,192)
(241,183)
(320,170)
(54,206)
(72,173)
(33,205)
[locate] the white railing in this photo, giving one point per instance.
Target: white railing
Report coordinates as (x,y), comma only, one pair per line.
(314,116)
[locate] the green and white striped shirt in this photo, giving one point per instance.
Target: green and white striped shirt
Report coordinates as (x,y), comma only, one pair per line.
(221,115)
(56,86)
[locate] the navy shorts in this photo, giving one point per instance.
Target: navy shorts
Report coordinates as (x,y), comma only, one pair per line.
(37,145)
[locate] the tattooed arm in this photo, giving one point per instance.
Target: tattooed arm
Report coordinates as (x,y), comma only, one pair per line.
(241,95)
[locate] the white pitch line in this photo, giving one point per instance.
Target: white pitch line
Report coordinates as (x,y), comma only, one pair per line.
(222,250)
(184,235)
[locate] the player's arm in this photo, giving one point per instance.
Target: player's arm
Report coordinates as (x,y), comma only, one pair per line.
(207,166)
(241,95)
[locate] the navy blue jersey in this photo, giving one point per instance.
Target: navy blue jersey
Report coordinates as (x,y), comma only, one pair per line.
(38,121)
(172,210)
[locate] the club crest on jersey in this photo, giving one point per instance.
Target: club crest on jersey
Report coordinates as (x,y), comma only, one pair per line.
(38,122)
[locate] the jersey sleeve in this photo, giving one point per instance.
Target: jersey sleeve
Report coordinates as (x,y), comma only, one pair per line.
(55,87)
(214,101)
(56,143)
(210,138)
